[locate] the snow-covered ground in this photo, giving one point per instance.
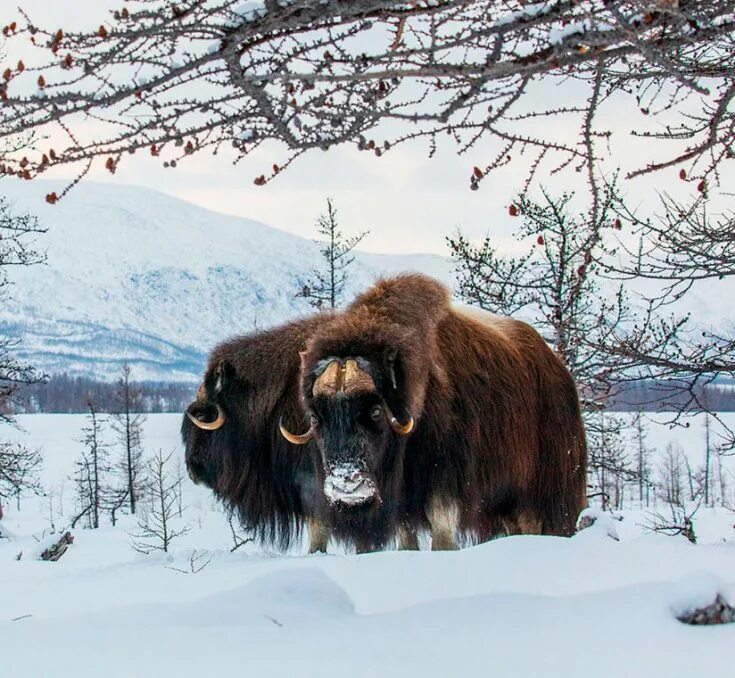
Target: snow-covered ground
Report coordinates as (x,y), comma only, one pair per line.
(518,606)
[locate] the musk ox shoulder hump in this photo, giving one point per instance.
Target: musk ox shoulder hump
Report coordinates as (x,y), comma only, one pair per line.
(411,299)
(502,325)
(516,335)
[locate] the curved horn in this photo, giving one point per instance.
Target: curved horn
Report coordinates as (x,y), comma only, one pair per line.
(208,426)
(398,428)
(295,439)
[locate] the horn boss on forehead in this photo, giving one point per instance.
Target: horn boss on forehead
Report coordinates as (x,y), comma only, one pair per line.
(356,380)
(329,381)
(347,377)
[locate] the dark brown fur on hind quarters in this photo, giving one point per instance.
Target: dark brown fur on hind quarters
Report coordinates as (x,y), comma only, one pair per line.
(498,443)
(266,481)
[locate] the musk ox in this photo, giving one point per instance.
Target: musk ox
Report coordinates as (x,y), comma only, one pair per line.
(429,416)
(232,441)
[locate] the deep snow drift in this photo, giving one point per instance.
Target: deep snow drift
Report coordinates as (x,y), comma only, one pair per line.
(518,606)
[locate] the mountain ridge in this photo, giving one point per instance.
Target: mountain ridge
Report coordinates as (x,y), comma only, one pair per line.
(136,275)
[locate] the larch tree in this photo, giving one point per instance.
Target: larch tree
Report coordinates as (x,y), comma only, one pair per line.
(177,78)
(157,524)
(19,471)
(19,464)
(92,468)
(671,474)
(642,458)
(324,288)
(683,245)
(18,235)
(559,284)
(127,422)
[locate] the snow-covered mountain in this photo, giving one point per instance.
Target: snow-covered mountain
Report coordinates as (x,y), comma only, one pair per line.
(136,275)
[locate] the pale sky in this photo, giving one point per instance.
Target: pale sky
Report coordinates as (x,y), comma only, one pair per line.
(408,202)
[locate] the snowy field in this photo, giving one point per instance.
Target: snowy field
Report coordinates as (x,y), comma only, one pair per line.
(518,606)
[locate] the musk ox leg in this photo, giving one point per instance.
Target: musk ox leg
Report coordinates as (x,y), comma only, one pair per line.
(318,536)
(529,522)
(444,519)
(408,538)
(526,522)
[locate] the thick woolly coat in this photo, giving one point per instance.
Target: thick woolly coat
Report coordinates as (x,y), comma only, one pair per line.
(498,433)
(266,481)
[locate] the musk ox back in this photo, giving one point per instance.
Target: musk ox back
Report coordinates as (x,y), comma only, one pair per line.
(425,415)
(232,441)
(510,420)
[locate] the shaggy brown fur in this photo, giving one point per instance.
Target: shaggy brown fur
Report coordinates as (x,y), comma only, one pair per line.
(265,480)
(498,442)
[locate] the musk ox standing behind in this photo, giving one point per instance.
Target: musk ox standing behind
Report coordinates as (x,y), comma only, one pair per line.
(232,442)
(428,416)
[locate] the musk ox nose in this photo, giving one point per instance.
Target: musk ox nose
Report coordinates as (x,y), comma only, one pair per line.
(348,485)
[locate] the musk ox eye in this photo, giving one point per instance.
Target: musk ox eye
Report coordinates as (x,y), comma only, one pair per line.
(313,420)
(376,412)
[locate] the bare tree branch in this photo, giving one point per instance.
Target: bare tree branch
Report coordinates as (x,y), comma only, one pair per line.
(176,78)
(324,288)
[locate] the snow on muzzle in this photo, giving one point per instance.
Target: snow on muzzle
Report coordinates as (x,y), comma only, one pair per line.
(348,485)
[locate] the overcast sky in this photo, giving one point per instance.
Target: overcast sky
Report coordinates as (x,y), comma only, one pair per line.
(408,202)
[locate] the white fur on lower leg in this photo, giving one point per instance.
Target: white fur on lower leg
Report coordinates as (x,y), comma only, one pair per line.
(408,540)
(444,520)
(318,536)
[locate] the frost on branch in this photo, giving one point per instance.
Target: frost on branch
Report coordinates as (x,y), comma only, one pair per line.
(174,79)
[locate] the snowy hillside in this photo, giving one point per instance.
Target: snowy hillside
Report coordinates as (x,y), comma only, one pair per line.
(518,606)
(134,274)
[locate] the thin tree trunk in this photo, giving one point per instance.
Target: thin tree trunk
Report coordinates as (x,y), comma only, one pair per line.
(96,486)
(690,478)
(332,259)
(706,461)
(641,458)
(162,497)
(721,478)
(128,445)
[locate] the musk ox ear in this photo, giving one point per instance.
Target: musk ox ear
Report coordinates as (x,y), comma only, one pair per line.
(394,395)
(390,356)
(218,378)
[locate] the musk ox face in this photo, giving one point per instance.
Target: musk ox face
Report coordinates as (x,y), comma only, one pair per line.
(353,427)
(204,427)
(351,434)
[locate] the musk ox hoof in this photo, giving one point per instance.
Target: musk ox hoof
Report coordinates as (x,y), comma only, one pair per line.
(348,486)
